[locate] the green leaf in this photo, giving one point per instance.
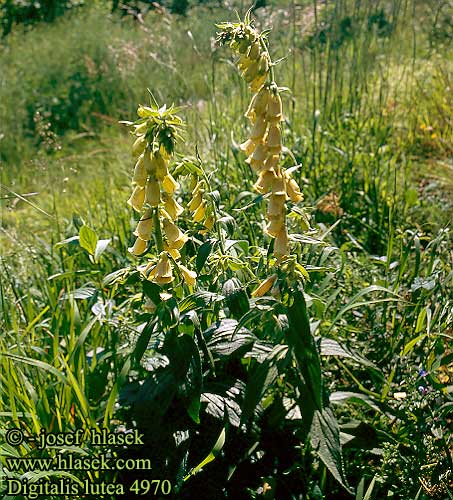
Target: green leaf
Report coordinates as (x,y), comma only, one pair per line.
(203,254)
(212,455)
(261,379)
(88,239)
(221,341)
(325,439)
(101,247)
(304,348)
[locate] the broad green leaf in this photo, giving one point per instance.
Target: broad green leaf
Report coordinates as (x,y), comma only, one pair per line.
(304,348)
(88,239)
(203,254)
(325,439)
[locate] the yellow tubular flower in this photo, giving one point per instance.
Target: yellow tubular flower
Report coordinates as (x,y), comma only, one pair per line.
(198,215)
(162,273)
(259,129)
(275,226)
(139,146)
(174,252)
(251,72)
(276,205)
(281,245)
(195,202)
(260,101)
(278,185)
(293,190)
(244,62)
(265,286)
(160,166)
(271,162)
(152,196)
(274,108)
(264,182)
(189,276)
(139,247)
(248,147)
(273,139)
(137,198)
(169,184)
(140,174)
(208,224)
(172,207)
(176,238)
(145,226)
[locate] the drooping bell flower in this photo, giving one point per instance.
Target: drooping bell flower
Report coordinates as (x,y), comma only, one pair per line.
(144,226)
(139,247)
(137,198)
(189,276)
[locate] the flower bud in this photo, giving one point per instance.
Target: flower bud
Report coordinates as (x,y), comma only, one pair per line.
(152,196)
(139,145)
(188,275)
(263,64)
(258,82)
(254,51)
(137,198)
(139,247)
(265,286)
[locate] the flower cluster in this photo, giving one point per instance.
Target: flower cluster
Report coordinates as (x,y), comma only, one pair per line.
(263,148)
(154,190)
(254,61)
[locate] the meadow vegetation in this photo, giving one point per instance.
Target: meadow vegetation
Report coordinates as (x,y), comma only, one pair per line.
(337,382)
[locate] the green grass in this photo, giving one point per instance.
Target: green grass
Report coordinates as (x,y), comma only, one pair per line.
(369,119)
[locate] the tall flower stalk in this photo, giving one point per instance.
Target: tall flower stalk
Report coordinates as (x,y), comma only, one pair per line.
(153,197)
(263,148)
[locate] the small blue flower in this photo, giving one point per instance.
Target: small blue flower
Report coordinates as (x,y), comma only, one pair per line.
(422,373)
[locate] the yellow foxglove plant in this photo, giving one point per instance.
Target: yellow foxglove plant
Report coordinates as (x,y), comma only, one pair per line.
(263,147)
(153,193)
